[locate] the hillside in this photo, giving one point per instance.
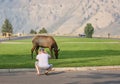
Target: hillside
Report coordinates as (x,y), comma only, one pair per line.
(62,17)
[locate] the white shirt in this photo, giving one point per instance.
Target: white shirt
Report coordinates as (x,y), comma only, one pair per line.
(43,59)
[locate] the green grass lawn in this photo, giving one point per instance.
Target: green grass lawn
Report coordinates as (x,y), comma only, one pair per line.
(74,52)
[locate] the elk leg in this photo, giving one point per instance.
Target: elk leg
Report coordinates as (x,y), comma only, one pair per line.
(51,52)
(32,50)
(36,50)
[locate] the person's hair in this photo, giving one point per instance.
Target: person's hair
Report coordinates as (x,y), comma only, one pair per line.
(41,49)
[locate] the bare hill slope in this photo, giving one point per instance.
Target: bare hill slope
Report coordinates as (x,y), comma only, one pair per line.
(62,16)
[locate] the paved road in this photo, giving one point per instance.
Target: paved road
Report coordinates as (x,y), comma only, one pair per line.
(15,38)
(61,77)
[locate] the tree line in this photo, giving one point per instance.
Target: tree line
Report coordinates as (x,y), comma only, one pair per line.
(8,28)
(43,30)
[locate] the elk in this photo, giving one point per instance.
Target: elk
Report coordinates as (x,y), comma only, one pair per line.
(44,42)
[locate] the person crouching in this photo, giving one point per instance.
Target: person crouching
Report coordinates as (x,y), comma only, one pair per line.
(42,62)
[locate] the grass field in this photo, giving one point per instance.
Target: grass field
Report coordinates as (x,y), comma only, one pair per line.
(74,52)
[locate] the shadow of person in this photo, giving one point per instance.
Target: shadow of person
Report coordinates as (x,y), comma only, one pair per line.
(56,73)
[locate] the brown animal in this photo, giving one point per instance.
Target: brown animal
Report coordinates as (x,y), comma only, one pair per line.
(44,42)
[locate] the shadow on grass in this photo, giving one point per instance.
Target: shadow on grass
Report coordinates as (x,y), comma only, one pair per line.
(16,61)
(88,53)
(66,58)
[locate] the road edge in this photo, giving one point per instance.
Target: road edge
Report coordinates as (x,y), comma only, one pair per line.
(65,69)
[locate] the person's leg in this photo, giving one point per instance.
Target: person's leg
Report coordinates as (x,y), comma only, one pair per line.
(37,68)
(49,69)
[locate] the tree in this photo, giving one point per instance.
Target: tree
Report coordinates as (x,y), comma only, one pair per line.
(43,30)
(7,27)
(89,30)
(33,31)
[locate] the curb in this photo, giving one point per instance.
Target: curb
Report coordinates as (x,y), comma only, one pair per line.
(65,69)
(17,70)
(88,68)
